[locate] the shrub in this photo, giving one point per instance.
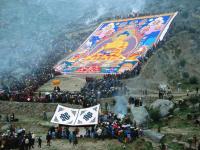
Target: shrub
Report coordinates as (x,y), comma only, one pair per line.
(185,75)
(194,99)
(185,14)
(182,62)
(114,102)
(155,114)
(177,52)
(128,110)
(148,145)
(193,80)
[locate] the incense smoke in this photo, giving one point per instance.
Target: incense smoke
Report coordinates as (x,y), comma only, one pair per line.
(121,105)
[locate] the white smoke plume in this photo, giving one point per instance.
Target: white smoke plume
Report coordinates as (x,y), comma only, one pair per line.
(120,105)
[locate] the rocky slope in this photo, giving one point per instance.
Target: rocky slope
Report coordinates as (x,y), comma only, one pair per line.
(177,60)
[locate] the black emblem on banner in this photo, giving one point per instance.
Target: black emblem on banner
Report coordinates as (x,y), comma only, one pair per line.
(87,116)
(65,116)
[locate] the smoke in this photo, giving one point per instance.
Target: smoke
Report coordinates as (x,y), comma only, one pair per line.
(121,105)
(28,28)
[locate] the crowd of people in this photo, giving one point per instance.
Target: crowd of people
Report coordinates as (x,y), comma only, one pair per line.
(17,139)
(25,87)
(93,90)
(132,15)
(110,126)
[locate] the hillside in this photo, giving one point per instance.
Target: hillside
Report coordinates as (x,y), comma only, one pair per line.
(177,60)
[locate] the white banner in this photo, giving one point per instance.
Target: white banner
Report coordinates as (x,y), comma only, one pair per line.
(76,117)
(64,115)
(88,116)
(167,27)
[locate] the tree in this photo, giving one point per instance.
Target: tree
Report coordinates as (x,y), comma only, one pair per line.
(182,62)
(155,114)
(185,75)
(194,99)
(193,80)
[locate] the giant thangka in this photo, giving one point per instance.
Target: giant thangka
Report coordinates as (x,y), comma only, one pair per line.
(76,117)
(116,46)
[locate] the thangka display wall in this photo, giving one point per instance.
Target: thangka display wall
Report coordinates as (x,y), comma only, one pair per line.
(76,117)
(116,46)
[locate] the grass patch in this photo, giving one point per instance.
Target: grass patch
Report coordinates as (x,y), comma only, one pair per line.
(139,144)
(174,146)
(154,125)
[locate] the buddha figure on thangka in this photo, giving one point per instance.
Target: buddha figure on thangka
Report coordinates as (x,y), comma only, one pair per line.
(117,46)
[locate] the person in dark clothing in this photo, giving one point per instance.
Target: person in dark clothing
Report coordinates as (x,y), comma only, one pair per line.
(21,143)
(74,138)
(197,90)
(40,94)
(12,117)
(159,94)
(26,143)
(163,146)
(106,106)
(67,133)
(198,147)
(137,102)
(131,100)
(57,89)
(195,140)
(70,137)
(44,115)
(48,138)
(7,118)
(30,140)
(39,142)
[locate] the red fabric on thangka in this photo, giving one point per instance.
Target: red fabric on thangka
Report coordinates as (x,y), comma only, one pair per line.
(89,69)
